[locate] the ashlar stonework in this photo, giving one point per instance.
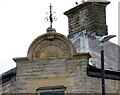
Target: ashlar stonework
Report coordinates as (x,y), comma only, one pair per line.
(56,62)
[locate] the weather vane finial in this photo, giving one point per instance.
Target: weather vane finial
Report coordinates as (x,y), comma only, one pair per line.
(51,17)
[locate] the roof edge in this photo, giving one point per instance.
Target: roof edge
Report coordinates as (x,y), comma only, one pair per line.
(95,72)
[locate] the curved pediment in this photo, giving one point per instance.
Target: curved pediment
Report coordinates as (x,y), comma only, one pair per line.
(49,46)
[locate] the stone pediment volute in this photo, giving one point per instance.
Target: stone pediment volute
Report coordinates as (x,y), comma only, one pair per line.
(50,45)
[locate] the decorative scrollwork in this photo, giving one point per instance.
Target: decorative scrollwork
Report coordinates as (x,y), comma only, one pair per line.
(51,18)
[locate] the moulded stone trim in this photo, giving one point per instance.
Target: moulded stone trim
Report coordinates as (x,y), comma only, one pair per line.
(51,37)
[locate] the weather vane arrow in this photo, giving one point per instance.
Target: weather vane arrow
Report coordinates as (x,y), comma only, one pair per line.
(51,18)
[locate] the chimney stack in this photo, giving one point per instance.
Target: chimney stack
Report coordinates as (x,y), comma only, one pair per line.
(90,16)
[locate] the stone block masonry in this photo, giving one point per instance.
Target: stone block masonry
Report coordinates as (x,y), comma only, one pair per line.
(90,16)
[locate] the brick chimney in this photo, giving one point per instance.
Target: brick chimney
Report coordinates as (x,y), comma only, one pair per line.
(90,16)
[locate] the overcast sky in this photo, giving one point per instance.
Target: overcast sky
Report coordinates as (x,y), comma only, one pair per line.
(21,21)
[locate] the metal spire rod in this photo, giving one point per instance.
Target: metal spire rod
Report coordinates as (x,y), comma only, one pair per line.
(50,17)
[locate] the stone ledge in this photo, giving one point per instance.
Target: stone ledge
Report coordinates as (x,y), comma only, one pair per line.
(82,56)
(20,59)
(82,6)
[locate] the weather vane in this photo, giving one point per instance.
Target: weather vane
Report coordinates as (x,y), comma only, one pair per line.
(51,18)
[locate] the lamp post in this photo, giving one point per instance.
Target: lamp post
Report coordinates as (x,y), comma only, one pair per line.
(102,41)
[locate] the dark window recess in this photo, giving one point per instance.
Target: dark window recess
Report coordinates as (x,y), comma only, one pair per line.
(60,92)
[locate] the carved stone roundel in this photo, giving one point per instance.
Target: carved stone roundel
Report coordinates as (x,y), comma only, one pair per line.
(48,49)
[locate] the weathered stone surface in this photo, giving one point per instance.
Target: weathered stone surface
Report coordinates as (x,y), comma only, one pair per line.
(48,73)
(51,49)
(50,46)
(90,16)
(53,62)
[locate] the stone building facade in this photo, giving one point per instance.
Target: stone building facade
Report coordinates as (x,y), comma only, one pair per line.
(59,64)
